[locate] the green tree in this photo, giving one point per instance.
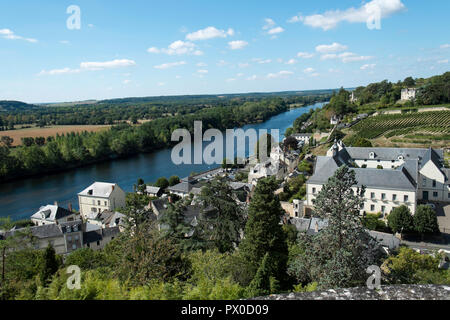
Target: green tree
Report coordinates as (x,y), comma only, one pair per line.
(425,221)
(174,180)
(338,255)
(263,232)
(162,183)
(50,265)
(400,220)
(221,220)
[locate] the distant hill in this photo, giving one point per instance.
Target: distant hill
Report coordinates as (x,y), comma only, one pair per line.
(9,106)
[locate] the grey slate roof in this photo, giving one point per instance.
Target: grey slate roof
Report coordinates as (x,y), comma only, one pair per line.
(46,231)
(388,154)
(182,187)
(301,224)
(385,239)
(98,235)
(51,213)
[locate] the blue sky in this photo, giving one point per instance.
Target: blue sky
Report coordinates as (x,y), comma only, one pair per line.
(147,48)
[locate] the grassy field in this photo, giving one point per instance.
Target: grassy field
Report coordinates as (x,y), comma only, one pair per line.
(45,132)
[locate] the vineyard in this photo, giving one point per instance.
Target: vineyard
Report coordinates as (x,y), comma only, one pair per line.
(437,122)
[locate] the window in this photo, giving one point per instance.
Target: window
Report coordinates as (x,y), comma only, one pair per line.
(106,203)
(372,208)
(435,194)
(74,246)
(394,197)
(76,238)
(93,202)
(75,228)
(405,198)
(98,202)
(314,190)
(383,209)
(449,195)
(98,243)
(94,209)
(372,195)
(424,183)
(69,238)
(383,196)
(434,183)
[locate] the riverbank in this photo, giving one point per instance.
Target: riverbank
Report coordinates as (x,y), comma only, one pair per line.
(21,198)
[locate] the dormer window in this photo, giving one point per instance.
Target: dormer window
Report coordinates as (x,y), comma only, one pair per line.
(401,158)
(372,155)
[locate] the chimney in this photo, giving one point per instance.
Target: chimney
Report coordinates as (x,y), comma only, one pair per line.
(112,188)
(170,199)
(56,203)
(317,227)
(70,207)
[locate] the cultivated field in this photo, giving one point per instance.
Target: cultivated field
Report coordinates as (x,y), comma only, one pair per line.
(17,135)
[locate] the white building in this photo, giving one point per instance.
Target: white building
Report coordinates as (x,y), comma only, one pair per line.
(353,98)
(408,175)
(52,214)
(408,94)
(273,166)
(303,137)
(100,197)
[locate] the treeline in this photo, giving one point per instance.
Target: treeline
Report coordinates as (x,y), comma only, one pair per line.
(75,149)
(430,91)
(108,112)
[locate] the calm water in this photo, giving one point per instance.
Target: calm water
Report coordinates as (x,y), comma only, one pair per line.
(22,198)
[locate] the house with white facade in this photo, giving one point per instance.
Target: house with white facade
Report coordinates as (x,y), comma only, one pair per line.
(100,197)
(392,176)
(52,214)
(408,94)
(303,137)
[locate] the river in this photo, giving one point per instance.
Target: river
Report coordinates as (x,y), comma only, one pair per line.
(20,199)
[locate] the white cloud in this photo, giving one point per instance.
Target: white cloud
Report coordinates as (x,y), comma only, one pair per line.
(240,75)
(153,50)
(59,71)
(330,19)
(169,65)
(9,34)
(281,74)
(291,61)
(202,71)
(275,30)
(296,18)
(315,74)
(252,78)
(445,46)
(269,23)
(237,44)
(221,63)
(107,64)
(305,55)
(127,81)
(65,42)
(209,33)
(160,84)
(368,66)
(308,70)
(201,64)
(230,80)
(243,65)
(178,77)
(345,57)
(261,61)
(334,47)
(178,47)
(443,61)
(91,66)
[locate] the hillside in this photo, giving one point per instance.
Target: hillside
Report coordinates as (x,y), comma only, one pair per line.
(11,106)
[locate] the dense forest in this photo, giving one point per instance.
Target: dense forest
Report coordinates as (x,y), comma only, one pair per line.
(64,151)
(132,109)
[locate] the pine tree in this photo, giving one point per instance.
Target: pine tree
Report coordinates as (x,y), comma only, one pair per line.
(338,255)
(50,265)
(221,220)
(263,231)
